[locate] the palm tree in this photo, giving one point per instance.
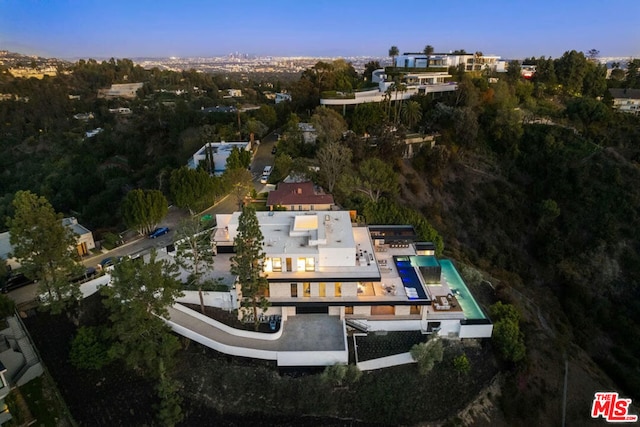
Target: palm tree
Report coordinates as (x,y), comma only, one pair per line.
(411,113)
(428,50)
(398,87)
(393,52)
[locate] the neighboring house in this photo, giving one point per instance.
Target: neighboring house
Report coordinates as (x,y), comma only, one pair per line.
(219,109)
(299,196)
(83,116)
(415,83)
(281,97)
(413,143)
(626,100)
(470,61)
(124,90)
(122,111)
(373,278)
(84,236)
(233,93)
(527,71)
(84,241)
(309,133)
(93,132)
(19,362)
(220,152)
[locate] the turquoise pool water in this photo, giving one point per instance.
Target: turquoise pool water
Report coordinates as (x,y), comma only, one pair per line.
(469,305)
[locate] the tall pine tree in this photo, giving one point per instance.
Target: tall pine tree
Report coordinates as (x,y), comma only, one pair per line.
(247,264)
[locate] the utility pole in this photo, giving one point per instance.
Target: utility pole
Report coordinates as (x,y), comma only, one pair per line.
(564,393)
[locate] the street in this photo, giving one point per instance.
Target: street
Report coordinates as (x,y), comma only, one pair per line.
(142,244)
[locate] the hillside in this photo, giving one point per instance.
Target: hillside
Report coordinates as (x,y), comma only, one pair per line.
(555,231)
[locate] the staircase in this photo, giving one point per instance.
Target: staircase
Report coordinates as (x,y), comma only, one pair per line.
(357,324)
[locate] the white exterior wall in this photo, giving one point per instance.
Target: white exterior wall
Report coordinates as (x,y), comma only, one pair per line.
(402,310)
(476,331)
(336,311)
(394,325)
(449,327)
(224,300)
(279,290)
(349,289)
(360,310)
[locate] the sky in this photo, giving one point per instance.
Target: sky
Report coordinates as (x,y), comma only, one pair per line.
(513,29)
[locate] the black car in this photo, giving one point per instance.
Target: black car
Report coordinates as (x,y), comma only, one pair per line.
(274,150)
(15,281)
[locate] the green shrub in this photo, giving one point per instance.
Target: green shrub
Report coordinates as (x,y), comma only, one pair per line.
(427,354)
(90,348)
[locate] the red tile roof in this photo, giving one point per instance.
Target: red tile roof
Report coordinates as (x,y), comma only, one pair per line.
(297,193)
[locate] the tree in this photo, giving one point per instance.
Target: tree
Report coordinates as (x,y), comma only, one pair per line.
(194,252)
(90,348)
(369,68)
(247,264)
(192,189)
(239,182)
(508,338)
(45,248)
(592,54)
(393,52)
(428,50)
(143,209)
(238,159)
(366,117)
(339,375)
(374,178)
(461,364)
(267,115)
(329,125)
(411,113)
(333,158)
(137,301)
(427,354)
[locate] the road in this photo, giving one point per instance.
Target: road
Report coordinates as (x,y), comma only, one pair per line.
(228,204)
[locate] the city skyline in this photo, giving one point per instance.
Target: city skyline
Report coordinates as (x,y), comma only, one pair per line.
(511,29)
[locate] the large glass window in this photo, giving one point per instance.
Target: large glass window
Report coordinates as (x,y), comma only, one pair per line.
(338,289)
(306,289)
(277,264)
(310,264)
(322,289)
(294,290)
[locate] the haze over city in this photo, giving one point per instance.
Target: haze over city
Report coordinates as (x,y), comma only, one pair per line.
(511,29)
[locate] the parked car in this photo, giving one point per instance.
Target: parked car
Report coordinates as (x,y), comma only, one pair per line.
(15,281)
(88,274)
(161,231)
(107,263)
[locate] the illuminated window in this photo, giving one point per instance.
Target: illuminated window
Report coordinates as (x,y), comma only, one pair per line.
(306,289)
(277,264)
(294,290)
(310,264)
(338,289)
(348,310)
(322,290)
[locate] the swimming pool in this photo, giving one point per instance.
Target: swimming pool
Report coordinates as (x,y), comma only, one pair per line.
(468,304)
(409,278)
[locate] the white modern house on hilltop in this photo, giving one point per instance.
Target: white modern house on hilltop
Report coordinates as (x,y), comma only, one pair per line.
(373,278)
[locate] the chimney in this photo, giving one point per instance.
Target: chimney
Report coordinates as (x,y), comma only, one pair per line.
(299,190)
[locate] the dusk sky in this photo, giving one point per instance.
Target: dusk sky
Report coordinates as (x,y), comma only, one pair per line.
(157,28)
